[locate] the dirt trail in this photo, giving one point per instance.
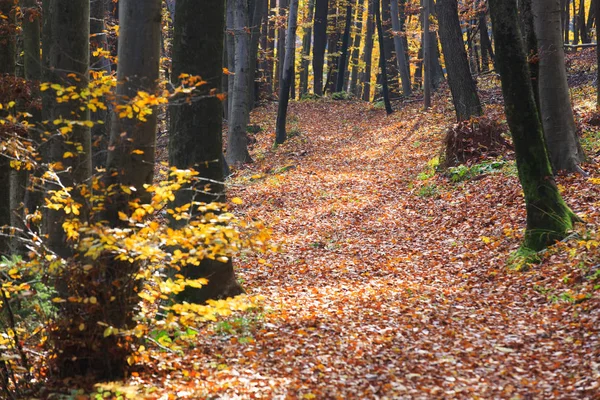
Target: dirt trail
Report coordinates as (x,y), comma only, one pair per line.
(384,289)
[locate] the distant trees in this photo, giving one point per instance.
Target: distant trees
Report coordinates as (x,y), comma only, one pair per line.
(548,217)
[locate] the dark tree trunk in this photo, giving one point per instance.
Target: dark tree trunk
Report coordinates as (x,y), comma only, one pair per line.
(426,57)
(283,5)
(354,86)
(531,46)
(230,45)
(7,67)
(591,16)
(195,139)
(270,71)
(554,96)
(548,217)
(382,58)
(390,52)
(342,63)
(258,19)
(368,53)
(400,50)
(332,48)
(306,43)
(98,40)
(582,23)
(320,27)
(66,61)
(288,76)
(567,20)
(462,85)
(575,23)
(486,44)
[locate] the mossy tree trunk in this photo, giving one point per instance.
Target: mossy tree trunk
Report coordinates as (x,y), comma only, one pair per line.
(462,85)
(195,139)
(548,217)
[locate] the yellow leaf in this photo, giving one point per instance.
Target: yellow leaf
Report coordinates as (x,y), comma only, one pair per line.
(485,239)
(58,300)
(93,300)
(123,216)
(108,331)
(68,154)
(81,326)
(237,200)
(137,151)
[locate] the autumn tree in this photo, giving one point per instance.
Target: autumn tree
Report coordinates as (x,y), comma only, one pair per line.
(554,95)
(195,139)
(382,59)
(306,45)
(462,85)
(400,50)
(368,52)
(354,86)
(288,76)
(548,217)
(343,60)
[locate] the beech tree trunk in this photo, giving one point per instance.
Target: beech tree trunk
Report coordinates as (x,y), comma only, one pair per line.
(270,71)
(343,60)
(461,82)
(306,44)
(230,44)
(288,75)
(382,58)
(237,141)
(66,52)
(320,42)
(258,18)
(368,52)
(548,217)
(332,47)
(354,87)
(554,96)
(390,52)
(283,5)
(195,139)
(400,51)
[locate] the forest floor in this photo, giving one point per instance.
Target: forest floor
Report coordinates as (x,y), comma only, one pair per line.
(393,281)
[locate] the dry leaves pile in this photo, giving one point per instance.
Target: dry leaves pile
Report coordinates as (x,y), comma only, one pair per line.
(389,286)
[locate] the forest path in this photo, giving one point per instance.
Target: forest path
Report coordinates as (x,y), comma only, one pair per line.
(388,286)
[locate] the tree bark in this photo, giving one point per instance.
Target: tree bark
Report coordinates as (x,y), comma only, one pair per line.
(306,44)
(582,23)
(400,51)
(382,59)
(66,62)
(270,71)
(354,87)
(343,60)
(461,82)
(320,42)
(368,52)
(237,141)
(7,68)
(283,5)
(195,139)
(332,47)
(426,57)
(230,44)
(258,18)
(288,76)
(531,47)
(548,217)
(390,52)
(554,96)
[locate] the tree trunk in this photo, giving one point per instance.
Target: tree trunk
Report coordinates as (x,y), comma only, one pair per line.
(426,57)
(388,43)
(354,87)
(555,101)
(461,82)
(66,62)
(437,73)
(382,58)
(400,52)
(7,67)
(270,71)
(33,73)
(195,139)
(237,141)
(230,44)
(283,5)
(320,28)
(582,23)
(575,23)
(306,42)
(597,54)
(288,76)
(98,40)
(548,217)
(531,46)
(567,20)
(342,62)
(258,19)
(486,44)
(591,16)
(332,48)
(368,53)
